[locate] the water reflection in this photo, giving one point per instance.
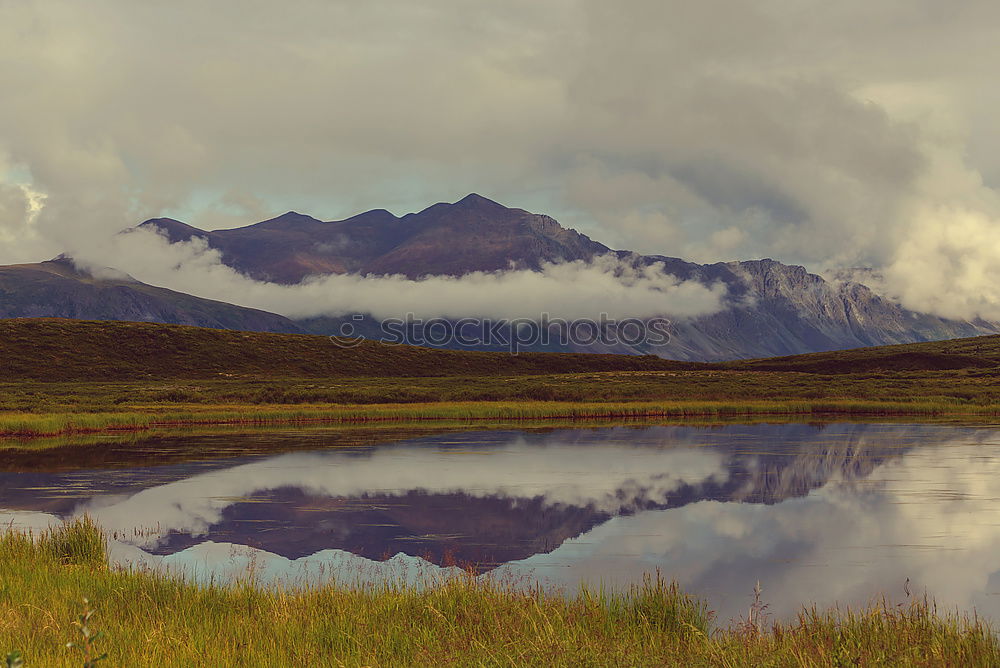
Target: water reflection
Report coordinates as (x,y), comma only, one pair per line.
(820,514)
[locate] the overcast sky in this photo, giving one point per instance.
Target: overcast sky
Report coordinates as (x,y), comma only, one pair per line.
(830,134)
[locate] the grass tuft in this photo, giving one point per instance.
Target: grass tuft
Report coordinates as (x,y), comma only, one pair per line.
(78,543)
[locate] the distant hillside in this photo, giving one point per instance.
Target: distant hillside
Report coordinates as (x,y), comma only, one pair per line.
(772,309)
(973,355)
(57,289)
(55,349)
(43,349)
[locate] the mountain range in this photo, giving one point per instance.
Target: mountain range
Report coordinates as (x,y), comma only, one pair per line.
(770,309)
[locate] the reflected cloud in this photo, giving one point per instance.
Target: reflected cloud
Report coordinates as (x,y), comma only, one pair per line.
(606,479)
(929,516)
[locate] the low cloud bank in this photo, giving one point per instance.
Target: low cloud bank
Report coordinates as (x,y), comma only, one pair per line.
(572,290)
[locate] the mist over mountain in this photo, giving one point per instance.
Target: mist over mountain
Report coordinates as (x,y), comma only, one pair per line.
(769,308)
(58,289)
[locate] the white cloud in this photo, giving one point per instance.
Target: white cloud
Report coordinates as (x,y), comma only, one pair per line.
(574,290)
(949,263)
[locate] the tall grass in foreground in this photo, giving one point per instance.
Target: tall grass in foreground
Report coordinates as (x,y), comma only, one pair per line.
(151,620)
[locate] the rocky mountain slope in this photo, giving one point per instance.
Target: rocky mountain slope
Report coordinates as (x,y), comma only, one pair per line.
(784,311)
(57,289)
(778,309)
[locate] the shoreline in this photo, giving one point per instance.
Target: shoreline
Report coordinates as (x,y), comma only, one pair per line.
(139,419)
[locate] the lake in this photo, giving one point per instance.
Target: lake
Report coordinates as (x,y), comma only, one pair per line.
(825,514)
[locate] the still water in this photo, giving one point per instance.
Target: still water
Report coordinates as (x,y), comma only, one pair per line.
(823,514)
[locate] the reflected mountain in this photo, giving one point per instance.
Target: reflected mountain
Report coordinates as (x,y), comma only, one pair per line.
(443,529)
(475,499)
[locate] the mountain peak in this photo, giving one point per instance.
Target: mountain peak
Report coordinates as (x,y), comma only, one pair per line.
(161,221)
(472,206)
(291,217)
(286,220)
(475,200)
(174,230)
(371,216)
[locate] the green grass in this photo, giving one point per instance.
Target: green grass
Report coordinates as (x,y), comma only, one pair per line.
(152,620)
(151,417)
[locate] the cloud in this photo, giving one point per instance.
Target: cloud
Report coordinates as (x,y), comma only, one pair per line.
(948,263)
(844,134)
(574,290)
(212,562)
(19,209)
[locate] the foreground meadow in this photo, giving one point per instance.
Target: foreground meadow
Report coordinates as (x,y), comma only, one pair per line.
(147,619)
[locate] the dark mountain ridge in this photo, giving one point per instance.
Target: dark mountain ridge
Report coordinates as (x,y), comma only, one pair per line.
(473,234)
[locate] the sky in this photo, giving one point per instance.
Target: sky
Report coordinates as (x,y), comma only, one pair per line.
(848,134)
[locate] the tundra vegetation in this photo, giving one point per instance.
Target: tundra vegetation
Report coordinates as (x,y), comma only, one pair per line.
(62,377)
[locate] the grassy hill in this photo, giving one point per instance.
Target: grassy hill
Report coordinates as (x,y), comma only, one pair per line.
(980,352)
(77,350)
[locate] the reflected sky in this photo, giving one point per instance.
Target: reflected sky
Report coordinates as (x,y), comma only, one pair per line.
(826,514)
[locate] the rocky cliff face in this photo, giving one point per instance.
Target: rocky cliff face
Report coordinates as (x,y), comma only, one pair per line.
(777,309)
(56,289)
